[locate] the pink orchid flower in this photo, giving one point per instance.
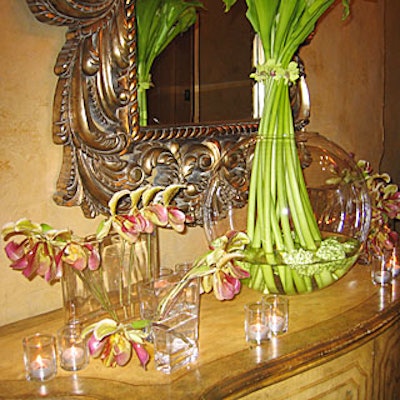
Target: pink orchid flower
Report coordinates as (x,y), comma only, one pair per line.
(117,350)
(176,218)
(385,206)
(75,256)
(113,349)
(217,269)
(96,346)
(30,259)
(16,253)
(156,213)
(141,354)
(79,256)
(149,207)
(225,286)
(94,257)
(112,342)
(132,226)
(43,250)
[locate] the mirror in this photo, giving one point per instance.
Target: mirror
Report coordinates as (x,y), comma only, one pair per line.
(203,75)
(95,113)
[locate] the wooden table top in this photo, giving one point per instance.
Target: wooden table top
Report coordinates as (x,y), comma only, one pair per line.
(322,325)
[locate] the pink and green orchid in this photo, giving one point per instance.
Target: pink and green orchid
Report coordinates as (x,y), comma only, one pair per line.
(218,270)
(224,274)
(113,342)
(43,250)
(385,207)
(149,207)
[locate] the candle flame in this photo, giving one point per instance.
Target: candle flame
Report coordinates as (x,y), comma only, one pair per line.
(40,362)
(393,260)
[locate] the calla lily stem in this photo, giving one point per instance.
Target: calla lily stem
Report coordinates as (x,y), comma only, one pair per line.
(280,216)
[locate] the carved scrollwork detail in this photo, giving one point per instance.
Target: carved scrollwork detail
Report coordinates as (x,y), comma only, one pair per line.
(95,105)
(187,161)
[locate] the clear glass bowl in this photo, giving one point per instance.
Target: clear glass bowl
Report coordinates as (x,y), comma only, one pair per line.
(339,199)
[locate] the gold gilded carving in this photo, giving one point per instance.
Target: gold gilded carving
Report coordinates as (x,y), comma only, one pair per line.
(183,154)
(95,105)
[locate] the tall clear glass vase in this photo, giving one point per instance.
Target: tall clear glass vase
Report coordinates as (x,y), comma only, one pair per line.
(111,290)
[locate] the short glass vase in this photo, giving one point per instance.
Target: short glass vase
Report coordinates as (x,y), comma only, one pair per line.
(175,328)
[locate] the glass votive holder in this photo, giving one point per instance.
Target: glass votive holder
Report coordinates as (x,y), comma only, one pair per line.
(72,348)
(40,357)
(380,270)
(256,323)
(279,313)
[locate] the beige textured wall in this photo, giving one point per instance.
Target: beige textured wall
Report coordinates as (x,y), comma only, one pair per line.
(347,96)
(29,161)
(344,66)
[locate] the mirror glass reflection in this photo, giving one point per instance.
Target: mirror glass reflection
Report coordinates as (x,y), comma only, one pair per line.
(203,75)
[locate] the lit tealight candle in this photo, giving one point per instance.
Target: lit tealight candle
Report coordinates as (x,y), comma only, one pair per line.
(73,348)
(382,277)
(40,357)
(394,264)
(258,332)
(72,358)
(41,368)
(277,324)
(256,324)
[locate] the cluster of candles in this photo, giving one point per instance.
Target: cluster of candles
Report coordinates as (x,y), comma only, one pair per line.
(264,319)
(40,353)
(267,318)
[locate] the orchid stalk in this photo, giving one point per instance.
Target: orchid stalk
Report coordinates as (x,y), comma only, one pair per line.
(158,23)
(280,219)
(149,208)
(45,251)
(218,269)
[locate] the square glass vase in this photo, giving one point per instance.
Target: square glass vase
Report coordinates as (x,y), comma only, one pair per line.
(176,342)
(175,335)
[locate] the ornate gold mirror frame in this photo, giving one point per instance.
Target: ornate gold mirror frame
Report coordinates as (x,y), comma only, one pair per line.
(95,115)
